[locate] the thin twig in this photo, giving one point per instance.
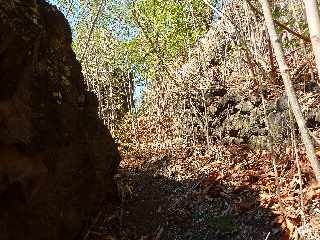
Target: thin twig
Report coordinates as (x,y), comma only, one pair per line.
(270,145)
(92,225)
(294,143)
(267,237)
(315,138)
(92,29)
(160,231)
(306,39)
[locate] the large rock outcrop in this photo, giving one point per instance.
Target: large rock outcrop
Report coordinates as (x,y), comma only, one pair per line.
(57,160)
(236,117)
(240,118)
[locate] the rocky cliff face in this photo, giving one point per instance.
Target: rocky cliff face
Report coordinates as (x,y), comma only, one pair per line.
(57,160)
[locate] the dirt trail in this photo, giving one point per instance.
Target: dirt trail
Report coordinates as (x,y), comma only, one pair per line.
(157,204)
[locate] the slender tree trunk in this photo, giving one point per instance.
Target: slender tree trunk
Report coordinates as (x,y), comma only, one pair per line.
(284,69)
(313,19)
(91,30)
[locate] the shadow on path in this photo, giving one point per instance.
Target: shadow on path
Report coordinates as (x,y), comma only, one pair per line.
(158,207)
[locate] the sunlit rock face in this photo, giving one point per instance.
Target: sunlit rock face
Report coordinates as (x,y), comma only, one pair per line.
(57,160)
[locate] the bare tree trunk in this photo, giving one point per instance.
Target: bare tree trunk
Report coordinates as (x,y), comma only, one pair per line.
(289,89)
(91,30)
(313,19)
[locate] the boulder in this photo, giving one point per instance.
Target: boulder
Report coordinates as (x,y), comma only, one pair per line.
(57,159)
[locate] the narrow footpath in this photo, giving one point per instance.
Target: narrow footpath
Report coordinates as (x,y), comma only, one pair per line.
(189,196)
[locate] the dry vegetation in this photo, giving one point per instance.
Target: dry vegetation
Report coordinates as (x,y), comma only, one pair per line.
(171,134)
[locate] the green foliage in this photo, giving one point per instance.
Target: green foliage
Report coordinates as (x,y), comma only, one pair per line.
(294,43)
(141,34)
(276,13)
(140,37)
(170,27)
